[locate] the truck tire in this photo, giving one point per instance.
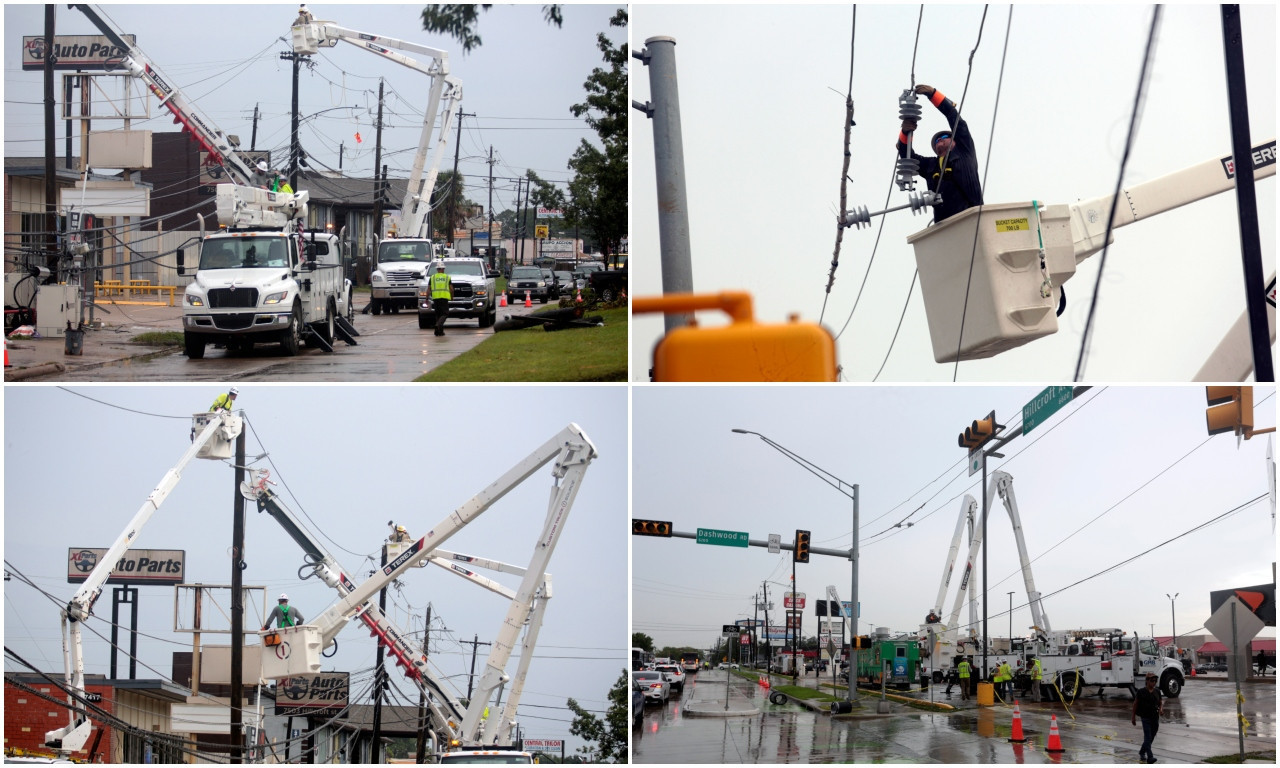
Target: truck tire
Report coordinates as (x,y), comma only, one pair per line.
(777,697)
(194,344)
(1171,684)
(609,295)
(376,305)
(1070,685)
(291,341)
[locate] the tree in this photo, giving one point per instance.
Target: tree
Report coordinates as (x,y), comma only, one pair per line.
(458,21)
(440,204)
(642,641)
(606,739)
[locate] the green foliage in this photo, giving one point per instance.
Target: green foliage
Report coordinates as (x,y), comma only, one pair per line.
(459,21)
(445,189)
(606,740)
(642,641)
(159,338)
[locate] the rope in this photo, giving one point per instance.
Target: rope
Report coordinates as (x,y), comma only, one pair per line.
(1115,198)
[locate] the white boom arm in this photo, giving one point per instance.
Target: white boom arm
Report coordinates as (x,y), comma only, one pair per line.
(309,35)
(968,508)
(216,429)
(1040,619)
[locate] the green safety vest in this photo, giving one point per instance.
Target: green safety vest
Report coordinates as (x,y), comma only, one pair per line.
(440,286)
(964,669)
(1035,670)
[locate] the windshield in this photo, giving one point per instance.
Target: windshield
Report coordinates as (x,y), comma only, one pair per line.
(245,252)
(463,268)
(394,250)
(526,272)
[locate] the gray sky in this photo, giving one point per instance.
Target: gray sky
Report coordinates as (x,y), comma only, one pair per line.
(762,100)
(519,83)
(1092,470)
(76,471)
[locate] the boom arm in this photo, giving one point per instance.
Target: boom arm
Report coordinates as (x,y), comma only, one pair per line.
(310,35)
(1004,484)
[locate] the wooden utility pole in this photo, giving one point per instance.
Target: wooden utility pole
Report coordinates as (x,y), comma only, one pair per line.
(422,694)
(379,678)
(471,678)
(377,164)
(491,204)
(237,608)
(453,193)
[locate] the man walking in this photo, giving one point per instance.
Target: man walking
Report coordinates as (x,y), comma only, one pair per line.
(441,294)
(963,669)
(283,615)
(1148,706)
(954,172)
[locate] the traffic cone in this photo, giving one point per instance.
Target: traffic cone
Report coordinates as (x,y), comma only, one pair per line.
(579,299)
(502,300)
(1017,725)
(527,301)
(1193,666)
(1055,741)
(6,365)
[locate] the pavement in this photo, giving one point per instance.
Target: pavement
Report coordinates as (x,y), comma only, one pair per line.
(706,697)
(108,340)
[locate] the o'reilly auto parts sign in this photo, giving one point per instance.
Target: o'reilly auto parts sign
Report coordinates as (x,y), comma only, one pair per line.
(72,51)
(138,566)
(326,693)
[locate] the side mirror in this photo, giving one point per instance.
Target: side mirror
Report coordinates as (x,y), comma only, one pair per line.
(493,273)
(182,270)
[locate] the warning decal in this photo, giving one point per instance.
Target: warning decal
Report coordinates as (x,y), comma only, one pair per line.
(1012,225)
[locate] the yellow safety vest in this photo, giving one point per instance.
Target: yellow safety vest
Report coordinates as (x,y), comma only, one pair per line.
(964,669)
(440,286)
(222,403)
(1005,674)
(1035,670)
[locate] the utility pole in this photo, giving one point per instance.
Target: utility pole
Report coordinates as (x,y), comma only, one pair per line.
(237,607)
(377,163)
(768,653)
(517,233)
(491,200)
(471,678)
(293,140)
(253,137)
(453,193)
(422,693)
(379,677)
(755,620)
(50,149)
(342,147)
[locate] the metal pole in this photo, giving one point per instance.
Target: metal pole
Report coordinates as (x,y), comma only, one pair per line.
(237,607)
(985,636)
(1173,618)
(851,692)
(1010,622)
(668,150)
(1235,662)
(1246,197)
(795,639)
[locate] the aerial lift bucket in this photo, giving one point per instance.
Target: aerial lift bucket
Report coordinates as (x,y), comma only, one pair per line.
(744,350)
(290,651)
(1001,305)
(222,444)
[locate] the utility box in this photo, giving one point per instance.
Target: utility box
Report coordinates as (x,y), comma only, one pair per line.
(290,651)
(19,289)
(57,305)
(1001,303)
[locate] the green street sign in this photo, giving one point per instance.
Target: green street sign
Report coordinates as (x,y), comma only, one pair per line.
(1044,405)
(723,538)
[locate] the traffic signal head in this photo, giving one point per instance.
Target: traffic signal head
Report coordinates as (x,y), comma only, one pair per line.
(1230,410)
(651,528)
(977,433)
(801,555)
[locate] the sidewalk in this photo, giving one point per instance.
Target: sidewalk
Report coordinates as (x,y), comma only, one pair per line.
(120,322)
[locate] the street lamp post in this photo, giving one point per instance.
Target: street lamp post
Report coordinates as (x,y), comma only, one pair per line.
(1173,617)
(853,494)
(1010,622)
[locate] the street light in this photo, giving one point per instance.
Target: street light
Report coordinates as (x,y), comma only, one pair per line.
(1173,615)
(852,493)
(1010,622)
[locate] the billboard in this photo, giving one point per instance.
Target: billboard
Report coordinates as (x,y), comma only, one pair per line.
(136,566)
(72,51)
(324,694)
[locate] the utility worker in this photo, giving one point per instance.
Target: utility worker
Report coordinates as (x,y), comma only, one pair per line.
(1003,675)
(1036,674)
(280,185)
(957,181)
(283,615)
(441,294)
(398,533)
(964,669)
(224,401)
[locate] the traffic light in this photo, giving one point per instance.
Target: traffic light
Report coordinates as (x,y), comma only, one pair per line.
(862,642)
(801,555)
(1230,410)
(977,433)
(651,528)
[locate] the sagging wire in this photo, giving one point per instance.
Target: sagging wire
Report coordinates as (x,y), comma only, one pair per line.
(1115,197)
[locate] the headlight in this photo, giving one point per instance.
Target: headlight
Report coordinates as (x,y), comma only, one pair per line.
(482,291)
(424,294)
(378,277)
(276,298)
(194,301)
(542,283)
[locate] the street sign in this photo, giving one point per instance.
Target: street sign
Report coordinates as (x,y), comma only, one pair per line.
(541,231)
(1044,405)
(846,607)
(775,543)
(793,600)
(1247,625)
(744,638)
(723,538)
(729,630)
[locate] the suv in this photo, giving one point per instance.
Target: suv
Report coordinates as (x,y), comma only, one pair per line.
(473,292)
(528,279)
(675,674)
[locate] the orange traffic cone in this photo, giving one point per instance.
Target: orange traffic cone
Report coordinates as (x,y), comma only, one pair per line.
(579,299)
(1017,725)
(6,365)
(502,299)
(527,301)
(1055,741)
(1193,666)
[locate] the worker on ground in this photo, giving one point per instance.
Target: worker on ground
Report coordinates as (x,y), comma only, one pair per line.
(963,670)
(1036,675)
(952,678)
(224,401)
(283,615)
(441,294)
(954,172)
(1147,705)
(1005,676)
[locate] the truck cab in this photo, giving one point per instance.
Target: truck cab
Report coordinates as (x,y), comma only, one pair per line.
(402,265)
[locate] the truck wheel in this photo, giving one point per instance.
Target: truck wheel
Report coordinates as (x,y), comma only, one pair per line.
(377,306)
(291,341)
(1071,686)
(608,295)
(194,346)
(327,330)
(1171,684)
(542,300)
(778,697)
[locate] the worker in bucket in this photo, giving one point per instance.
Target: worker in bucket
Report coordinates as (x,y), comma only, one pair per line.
(283,615)
(399,535)
(953,173)
(224,401)
(278,184)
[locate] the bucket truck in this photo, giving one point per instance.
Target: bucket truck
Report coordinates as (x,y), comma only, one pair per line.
(214,437)
(261,278)
(404,261)
(1070,659)
(296,650)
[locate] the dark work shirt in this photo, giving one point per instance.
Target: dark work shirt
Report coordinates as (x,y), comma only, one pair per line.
(1148,703)
(959,183)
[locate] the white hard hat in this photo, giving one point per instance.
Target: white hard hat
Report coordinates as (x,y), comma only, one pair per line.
(284,598)
(262,166)
(234,392)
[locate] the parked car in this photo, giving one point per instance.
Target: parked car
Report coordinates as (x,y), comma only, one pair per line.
(566,281)
(637,702)
(675,675)
(528,279)
(656,687)
(550,277)
(722,665)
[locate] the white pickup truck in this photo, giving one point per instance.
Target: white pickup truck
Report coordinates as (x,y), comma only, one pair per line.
(474,292)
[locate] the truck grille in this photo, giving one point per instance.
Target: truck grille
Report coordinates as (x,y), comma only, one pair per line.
(461,290)
(233,322)
(223,298)
(403,278)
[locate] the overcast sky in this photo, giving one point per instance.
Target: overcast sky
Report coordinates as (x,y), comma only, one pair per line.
(1118,472)
(762,91)
(76,471)
(519,84)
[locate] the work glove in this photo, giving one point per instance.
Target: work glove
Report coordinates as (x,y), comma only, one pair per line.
(908,126)
(925,90)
